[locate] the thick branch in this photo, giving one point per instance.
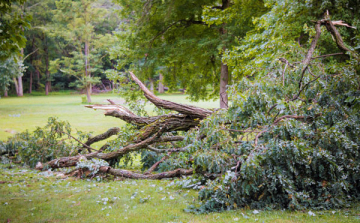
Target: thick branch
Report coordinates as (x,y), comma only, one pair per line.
(132,175)
(335,33)
(181,108)
(112,107)
(300,118)
(168,124)
(153,167)
(141,121)
(310,52)
(71,161)
(105,135)
(169,139)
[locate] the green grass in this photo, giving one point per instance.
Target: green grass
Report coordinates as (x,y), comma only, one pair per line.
(18,114)
(29,196)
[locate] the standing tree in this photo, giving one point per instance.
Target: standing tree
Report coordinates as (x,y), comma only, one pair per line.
(13,21)
(76,22)
(10,69)
(186,38)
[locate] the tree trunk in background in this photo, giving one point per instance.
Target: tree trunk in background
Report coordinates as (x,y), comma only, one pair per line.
(37,72)
(161,85)
(6,93)
(151,85)
(224,75)
(31,81)
(86,58)
(20,90)
(16,86)
(47,73)
(47,87)
(88,94)
(20,87)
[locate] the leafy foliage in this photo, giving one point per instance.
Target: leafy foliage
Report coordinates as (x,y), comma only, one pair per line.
(9,69)
(12,25)
(43,144)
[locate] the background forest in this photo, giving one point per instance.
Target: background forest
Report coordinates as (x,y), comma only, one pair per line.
(286,73)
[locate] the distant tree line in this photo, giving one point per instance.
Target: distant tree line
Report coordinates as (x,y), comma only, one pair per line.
(61,45)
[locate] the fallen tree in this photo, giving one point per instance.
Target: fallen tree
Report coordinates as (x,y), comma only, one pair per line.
(286,141)
(151,131)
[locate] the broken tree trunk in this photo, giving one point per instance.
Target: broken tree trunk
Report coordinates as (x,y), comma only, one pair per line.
(151,133)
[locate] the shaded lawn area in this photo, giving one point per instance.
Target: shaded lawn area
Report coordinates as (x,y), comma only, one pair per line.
(30,196)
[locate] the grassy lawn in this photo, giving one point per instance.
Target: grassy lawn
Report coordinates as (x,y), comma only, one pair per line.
(18,114)
(31,196)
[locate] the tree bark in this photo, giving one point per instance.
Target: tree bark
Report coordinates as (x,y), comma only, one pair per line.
(161,85)
(158,176)
(151,85)
(31,81)
(47,73)
(88,94)
(20,86)
(6,93)
(192,111)
(224,78)
(37,72)
(224,75)
(20,89)
(87,72)
(16,86)
(47,85)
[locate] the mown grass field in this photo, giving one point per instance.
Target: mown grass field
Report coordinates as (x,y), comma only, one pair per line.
(18,114)
(31,196)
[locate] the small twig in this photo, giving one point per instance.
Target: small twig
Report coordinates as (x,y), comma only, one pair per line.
(294,117)
(286,62)
(235,130)
(237,166)
(276,116)
(86,146)
(168,150)
(271,108)
(307,84)
(153,167)
(30,54)
(311,72)
(328,55)
(283,74)
(258,135)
